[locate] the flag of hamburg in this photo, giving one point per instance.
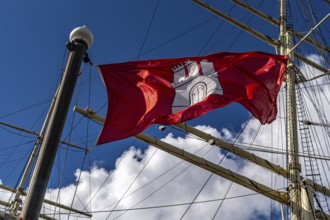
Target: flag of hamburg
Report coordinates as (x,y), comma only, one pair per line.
(171,91)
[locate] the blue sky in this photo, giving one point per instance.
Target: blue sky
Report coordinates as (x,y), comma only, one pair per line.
(33,55)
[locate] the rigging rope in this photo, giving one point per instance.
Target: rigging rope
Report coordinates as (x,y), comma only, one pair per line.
(66,156)
(87,129)
(223,200)
(36,104)
(201,189)
(311,165)
(172,168)
(166,183)
(105,180)
(174,205)
(137,176)
(76,188)
(147,33)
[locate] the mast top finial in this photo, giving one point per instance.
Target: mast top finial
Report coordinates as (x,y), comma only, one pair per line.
(82,33)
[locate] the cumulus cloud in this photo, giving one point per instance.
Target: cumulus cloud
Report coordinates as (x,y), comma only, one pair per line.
(166,186)
(4,195)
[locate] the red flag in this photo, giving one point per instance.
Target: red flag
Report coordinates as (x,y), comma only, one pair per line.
(171,91)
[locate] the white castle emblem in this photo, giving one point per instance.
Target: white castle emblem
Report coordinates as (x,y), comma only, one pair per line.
(193,82)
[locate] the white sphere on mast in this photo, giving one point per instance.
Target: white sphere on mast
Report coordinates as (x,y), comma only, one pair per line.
(83,34)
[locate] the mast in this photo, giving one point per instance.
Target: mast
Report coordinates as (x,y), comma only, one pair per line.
(292,135)
(80,40)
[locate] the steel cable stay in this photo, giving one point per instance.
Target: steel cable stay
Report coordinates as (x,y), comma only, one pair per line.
(4,152)
(76,188)
(179,35)
(155,191)
(241,30)
(87,130)
(159,176)
(43,101)
(134,180)
(271,177)
(222,201)
(201,189)
(151,181)
(210,38)
(173,205)
(281,138)
(8,147)
(147,32)
(34,105)
(214,33)
(105,180)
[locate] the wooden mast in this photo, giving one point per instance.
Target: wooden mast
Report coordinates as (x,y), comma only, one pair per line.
(291,121)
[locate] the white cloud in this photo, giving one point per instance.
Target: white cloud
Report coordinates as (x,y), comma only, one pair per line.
(179,184)
(4,195)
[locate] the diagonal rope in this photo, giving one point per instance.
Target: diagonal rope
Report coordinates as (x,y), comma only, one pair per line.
(165,184)
(147,33)
(104,182)
(201,189)
(137,176)
(66,150)
(76,189)
(224,198)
